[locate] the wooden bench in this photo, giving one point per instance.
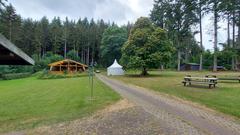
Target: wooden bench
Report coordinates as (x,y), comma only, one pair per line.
(234,78)
(231,78)
(189,80)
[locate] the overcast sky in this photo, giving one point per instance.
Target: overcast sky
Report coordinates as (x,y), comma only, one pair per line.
(119,11)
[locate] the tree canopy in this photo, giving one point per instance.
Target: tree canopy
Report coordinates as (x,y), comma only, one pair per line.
(147,46)
(112,41)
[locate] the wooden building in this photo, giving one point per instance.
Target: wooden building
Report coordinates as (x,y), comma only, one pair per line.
(67,65)
(12,55)
(190,67)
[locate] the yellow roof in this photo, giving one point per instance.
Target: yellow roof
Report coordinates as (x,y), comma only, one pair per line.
(66,61)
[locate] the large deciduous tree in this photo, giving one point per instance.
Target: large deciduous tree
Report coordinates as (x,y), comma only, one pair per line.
(147,46)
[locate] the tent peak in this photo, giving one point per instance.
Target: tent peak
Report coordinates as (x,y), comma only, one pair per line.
(115,64)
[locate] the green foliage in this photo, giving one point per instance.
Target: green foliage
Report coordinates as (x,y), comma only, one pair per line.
(14,76)
(47,75)
(208,59)
(111,44)
(177,18)
(225,56)
(73,55)
(147,46)
(4,69)
(43,63)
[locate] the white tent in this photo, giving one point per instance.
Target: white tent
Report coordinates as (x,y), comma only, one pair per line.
(115,69)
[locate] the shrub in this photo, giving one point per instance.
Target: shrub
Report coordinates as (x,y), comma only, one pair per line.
(15,76)
(41,64)
(46,75)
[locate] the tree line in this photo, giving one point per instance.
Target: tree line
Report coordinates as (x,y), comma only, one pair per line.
(178,17)
(99,41)
(81,38)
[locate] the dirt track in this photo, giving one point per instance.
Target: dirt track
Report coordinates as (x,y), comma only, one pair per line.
(178,116)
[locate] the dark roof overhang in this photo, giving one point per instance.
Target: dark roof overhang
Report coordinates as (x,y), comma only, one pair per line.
(12,55)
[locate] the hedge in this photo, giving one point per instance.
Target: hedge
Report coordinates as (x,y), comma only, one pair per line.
(14,76)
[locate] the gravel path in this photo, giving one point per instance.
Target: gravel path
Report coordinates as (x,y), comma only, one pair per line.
(179,117)
(122,118)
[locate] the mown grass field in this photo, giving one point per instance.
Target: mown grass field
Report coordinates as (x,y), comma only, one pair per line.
(30,102)
(224,98)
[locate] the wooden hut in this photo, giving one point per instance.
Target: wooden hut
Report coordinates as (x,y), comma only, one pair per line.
(67,65)
(190,67)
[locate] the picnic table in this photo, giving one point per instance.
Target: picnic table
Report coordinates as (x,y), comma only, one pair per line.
(210,81)
(228,78)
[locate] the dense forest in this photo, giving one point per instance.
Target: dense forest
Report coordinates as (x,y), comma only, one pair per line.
(76,39)
(89,40)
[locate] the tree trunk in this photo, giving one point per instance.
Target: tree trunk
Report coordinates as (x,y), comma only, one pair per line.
(238,42)
(233,39)
(82,55)
(179,60)
(201,62)
(144,72)
(201,37)
(238,28)
(228,30)
(88,51)
(65,49)
(162,67)
(77,53)
(10,30)
(215,37)
(55,44)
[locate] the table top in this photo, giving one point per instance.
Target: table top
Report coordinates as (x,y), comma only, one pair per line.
(202,78)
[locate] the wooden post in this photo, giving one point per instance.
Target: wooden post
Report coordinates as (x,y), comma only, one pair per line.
(60,67)
(68,67)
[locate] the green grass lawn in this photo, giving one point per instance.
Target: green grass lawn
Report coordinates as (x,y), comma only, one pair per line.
(30,102)
(224,98)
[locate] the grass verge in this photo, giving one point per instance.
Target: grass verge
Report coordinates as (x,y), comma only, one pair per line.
(31,102)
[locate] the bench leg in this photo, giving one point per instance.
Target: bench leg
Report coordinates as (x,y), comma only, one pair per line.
(210,86)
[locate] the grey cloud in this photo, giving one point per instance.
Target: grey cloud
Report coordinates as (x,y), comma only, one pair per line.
(112,10)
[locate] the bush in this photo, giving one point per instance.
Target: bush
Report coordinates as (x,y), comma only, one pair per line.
(41,64)
(14,76)
(4,69)
(46,75)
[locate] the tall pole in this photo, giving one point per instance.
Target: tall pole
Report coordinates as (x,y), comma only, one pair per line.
(201,38)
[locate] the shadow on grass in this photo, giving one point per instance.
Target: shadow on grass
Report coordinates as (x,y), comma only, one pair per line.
(229,82)
(151,75)
(201,86)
